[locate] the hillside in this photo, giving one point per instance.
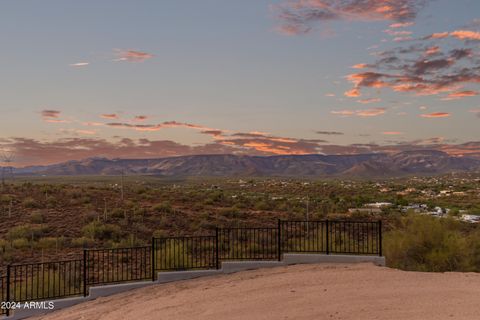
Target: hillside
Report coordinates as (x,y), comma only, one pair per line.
(345,292)
(362,165)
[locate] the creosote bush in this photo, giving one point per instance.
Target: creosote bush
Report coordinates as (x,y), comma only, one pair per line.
(424,243)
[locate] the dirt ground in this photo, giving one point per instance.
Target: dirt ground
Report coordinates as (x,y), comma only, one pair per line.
(357,292)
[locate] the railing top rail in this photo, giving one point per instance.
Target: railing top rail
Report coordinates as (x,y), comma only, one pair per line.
(247,228)
(121,248)
(45,262)
(184,237)
(348,221)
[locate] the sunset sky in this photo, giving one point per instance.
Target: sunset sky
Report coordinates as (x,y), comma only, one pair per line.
(144,79)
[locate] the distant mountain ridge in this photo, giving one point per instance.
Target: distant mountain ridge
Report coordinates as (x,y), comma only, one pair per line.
(315,165)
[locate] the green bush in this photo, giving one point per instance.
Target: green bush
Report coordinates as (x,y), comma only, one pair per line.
(30,203)
(424,243)
(20,243)
(100,231)
(164,207)
(50,242)
(37,217)
(27,231)
(82,242)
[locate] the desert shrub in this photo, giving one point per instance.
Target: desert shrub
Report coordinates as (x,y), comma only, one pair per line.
(27,231)
(50,242)
(117,213)
(425,243)
(6,199)
(37,217)
(30,203)
(51,201)
(20,243)
(82,242)
(100,231)
(164,207)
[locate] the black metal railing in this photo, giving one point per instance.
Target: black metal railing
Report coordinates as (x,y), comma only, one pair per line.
(51,280)
(248,243)
(47,280)
(183,253)
(349,237)
(104,266)
(331,237)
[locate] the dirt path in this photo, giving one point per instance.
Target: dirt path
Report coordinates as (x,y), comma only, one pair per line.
(297,292)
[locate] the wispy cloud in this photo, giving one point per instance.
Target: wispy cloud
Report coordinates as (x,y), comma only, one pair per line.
(421,68)
(330,133)
(79,64)
(360,113)
(109,116)
(155,127)
(436,115)
(300,16)
(461,94)
(52,116)
(367,101)
(132,55)
(140,118)
(401,24)
(390,133)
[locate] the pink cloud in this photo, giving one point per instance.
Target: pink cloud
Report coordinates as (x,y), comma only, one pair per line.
(401,24)
(466,35)
(367,101)
(140,118)
(461,94)
(132,56)
(299,16)
(436,115)
(360,66)
(109,116)
(360,113)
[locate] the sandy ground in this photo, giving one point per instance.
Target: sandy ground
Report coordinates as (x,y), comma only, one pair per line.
(357,292)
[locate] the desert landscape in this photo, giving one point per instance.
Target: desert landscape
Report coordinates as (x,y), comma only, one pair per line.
(330,291)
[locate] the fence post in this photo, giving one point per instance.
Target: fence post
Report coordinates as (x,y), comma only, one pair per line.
(8,289)
(380,238)
(153,259)
(279,239)
(327,237)
(217,259)
(84,272)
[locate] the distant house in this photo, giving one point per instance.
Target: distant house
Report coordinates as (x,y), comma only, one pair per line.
(378,205)
(470,218)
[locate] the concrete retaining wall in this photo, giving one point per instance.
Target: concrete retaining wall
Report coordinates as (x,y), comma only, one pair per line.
(294,258)
(227,268)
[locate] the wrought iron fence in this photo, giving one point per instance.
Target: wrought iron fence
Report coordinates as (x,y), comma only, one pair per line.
(104,266)
(331,237)
(47,280)
(248,243)
(182,253)
(58,279)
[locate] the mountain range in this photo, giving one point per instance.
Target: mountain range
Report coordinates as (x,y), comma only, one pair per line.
(425,162)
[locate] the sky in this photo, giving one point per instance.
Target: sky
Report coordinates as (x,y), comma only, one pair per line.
(157,78)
